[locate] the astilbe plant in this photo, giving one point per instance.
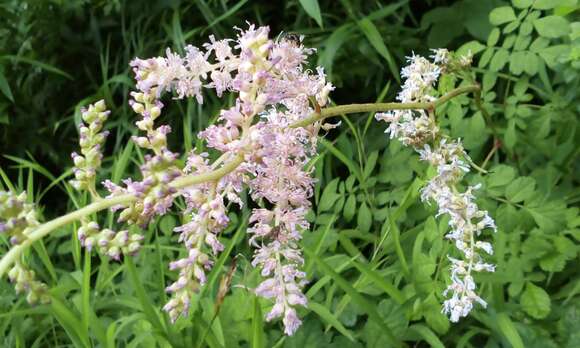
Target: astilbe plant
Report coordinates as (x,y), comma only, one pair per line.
(266,140)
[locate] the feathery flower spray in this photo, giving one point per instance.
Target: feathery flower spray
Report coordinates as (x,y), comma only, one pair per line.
(273,89)
(418,129)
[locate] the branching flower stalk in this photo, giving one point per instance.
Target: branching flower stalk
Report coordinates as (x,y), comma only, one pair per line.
(265,139)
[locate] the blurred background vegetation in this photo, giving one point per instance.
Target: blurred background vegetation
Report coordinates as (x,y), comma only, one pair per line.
(57,56)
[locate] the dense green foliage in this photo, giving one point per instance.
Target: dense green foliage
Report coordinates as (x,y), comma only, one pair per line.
(375,255)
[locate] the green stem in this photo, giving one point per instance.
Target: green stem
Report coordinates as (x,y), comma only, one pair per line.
(102,204)
(379,107)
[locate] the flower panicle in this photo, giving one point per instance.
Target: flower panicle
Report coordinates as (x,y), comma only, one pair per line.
(17,216)
(273,89)
(25,282)
(417,128)
(108,242)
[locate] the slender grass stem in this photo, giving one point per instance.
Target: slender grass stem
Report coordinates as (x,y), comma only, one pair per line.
(41,231)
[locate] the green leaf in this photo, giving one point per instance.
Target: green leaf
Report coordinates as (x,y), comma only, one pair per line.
(511,136)
(507,328)
(501,15)
(522,3)
(330,319)
(549,216)
(501,175)
(70,322)
(493,37)
(531,63)
(376,40)
(146,306)
(329,196)
(520,189)
(517,62)
(332,46)
(472,46)
(349,207)
(37,63)
(427,335)
(4,86)
(364,218)
(548,4)
(431,308)
(391,313)
(371,163)
(552,26)
(313,9)
(167,224)
(369,308)
(535,301)
(381,282)
(500,58)
(552,55)
(258,339)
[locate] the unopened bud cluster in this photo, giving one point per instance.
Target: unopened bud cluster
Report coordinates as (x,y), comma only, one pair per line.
(154,194)
(17,219)
(110,243)
(17,216)
(92,140)
(25,282)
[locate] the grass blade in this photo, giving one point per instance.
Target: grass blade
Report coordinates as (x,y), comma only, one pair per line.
(362,303)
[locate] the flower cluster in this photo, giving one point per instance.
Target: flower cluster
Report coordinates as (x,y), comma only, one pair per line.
(418,129)
(16,216)
(110,243)
(278,176)
(91,142)
(207,218)
(25,281)
(273,89)
(154,194)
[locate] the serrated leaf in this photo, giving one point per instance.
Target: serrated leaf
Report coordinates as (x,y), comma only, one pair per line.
(535,301)
(520,189)
(552,26)
(550,216)
(501,175)
(501,15)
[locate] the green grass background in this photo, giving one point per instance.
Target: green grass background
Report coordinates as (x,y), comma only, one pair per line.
(375,256)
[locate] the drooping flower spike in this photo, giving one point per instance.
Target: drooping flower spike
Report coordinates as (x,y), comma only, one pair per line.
(273,89)
(418,129)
